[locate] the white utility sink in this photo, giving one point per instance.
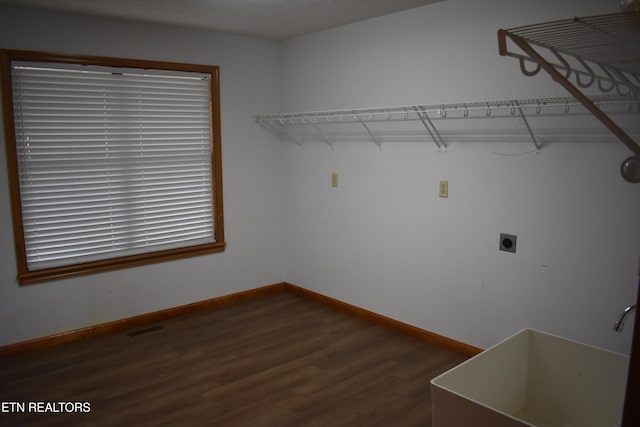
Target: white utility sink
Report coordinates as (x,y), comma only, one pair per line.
(533,379)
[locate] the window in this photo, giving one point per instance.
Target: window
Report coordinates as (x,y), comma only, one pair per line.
(112,163)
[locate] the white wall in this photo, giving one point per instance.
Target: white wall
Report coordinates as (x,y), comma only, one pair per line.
(252,163)
(384,241)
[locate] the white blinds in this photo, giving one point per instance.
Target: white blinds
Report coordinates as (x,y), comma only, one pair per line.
(112,162)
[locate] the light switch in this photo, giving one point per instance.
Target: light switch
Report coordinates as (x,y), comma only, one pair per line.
(334,179)
(444,189)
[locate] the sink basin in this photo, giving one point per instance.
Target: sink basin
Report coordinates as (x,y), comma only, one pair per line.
(533,379)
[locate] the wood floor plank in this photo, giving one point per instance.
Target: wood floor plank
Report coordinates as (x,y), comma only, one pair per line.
(276,360)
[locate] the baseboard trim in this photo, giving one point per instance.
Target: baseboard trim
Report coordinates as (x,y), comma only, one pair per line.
(136,321)
(158,316)
(422,334)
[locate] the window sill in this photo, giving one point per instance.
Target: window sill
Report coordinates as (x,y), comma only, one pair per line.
(117,263)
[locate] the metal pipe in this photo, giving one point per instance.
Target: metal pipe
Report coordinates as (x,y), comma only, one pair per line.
(619,324)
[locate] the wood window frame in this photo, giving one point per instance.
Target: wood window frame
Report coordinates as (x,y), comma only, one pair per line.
(27,277)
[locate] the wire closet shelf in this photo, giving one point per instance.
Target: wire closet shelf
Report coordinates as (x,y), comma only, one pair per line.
(599,53)
(430,118)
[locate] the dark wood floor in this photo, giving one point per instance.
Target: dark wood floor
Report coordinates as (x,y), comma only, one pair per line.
(279,360)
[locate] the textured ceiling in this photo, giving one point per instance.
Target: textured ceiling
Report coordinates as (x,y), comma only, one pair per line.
(272,19)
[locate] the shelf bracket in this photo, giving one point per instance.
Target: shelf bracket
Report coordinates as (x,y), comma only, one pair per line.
(320,134)
(419,114)
(526,123)
(424,118)
(373,137)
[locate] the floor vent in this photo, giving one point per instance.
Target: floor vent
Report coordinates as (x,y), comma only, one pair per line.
(145,330)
